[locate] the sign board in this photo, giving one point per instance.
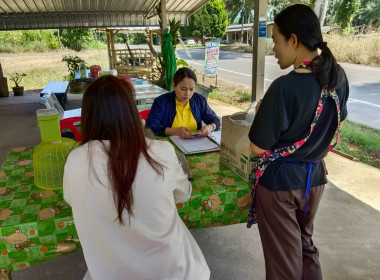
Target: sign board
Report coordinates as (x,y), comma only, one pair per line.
(262,27)
(211,58)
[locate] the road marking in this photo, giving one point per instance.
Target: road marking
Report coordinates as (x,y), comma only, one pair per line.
(364,102)
(243,74)
(350,99)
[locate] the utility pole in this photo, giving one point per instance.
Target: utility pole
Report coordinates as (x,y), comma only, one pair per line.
(259,42)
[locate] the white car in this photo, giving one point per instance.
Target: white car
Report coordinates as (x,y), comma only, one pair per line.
(189,41)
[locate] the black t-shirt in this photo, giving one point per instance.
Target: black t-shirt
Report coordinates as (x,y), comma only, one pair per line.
(284,117)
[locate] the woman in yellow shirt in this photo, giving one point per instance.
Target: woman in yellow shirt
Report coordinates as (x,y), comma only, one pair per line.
(182,111)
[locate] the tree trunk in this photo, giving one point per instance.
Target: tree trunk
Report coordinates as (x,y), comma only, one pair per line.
(242,30)
(242,22)
(320,9)
(59,39)
(324,12)
(317,7)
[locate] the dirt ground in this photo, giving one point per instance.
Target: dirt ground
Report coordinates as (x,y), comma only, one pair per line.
(226,91)
(12,62)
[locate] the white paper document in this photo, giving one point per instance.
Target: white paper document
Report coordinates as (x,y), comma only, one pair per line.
(198,145)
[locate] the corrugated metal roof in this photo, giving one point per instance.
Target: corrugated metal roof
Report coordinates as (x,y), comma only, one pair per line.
(246,26)
(44,14)
(237,27)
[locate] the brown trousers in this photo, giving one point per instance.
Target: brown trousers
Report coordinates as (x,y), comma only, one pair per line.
(286,233)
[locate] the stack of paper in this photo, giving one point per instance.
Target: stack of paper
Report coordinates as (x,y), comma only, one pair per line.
(198,145)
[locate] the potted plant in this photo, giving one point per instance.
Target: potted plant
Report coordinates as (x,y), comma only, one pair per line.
(16,78)
(73,63)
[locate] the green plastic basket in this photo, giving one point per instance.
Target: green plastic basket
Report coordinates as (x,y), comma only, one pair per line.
(49,159)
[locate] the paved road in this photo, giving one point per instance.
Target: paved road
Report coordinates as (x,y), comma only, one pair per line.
(364,101)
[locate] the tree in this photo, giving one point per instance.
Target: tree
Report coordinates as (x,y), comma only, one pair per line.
(199,24)
(369,13)
(276,6)
(331,12)
(345,13)
(77,38)
(240,11)
(138,38)
(219,18)
(210,21)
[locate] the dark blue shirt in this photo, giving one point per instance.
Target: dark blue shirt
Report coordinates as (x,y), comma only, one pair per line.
(163,112)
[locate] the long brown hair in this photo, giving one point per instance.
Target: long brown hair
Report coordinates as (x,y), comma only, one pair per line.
(109,113)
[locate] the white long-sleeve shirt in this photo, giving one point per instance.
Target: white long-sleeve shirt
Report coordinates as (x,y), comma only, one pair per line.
(155,244)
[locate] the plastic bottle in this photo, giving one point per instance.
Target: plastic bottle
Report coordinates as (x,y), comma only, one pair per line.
(251,112)
(82,70)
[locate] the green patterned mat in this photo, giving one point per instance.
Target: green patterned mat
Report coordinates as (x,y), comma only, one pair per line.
(36,225)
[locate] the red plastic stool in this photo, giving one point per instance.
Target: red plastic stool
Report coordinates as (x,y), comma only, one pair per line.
(144,114)
(69,123)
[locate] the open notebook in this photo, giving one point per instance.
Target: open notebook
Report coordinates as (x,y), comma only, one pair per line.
(198,145)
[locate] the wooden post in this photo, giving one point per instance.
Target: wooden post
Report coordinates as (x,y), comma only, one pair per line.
(252,36)
(164,17)
(151,37)
(113,50)
(109,49)
(258,56)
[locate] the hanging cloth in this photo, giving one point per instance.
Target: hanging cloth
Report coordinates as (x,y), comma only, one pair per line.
(169,59)
(268,156)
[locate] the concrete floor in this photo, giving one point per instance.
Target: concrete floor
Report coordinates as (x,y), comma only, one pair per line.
(346,227)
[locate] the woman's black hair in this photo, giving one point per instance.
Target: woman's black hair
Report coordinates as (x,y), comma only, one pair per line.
(301,20)
(183,73)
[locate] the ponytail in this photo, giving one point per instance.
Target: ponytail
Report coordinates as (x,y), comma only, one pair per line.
(328,71)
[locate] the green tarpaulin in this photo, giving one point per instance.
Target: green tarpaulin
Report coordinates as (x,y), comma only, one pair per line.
(169,58)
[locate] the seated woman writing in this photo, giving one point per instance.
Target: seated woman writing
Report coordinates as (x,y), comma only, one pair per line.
(182,111)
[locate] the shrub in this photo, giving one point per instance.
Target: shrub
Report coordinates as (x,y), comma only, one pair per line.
(72,65)
(360,49)
(28,40)
(17,78)
(77,38)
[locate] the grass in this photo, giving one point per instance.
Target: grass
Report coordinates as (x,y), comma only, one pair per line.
(191,46)
(355,49)
(48,66)
(361,142)
(239,98)
(39,77)
(359,49)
